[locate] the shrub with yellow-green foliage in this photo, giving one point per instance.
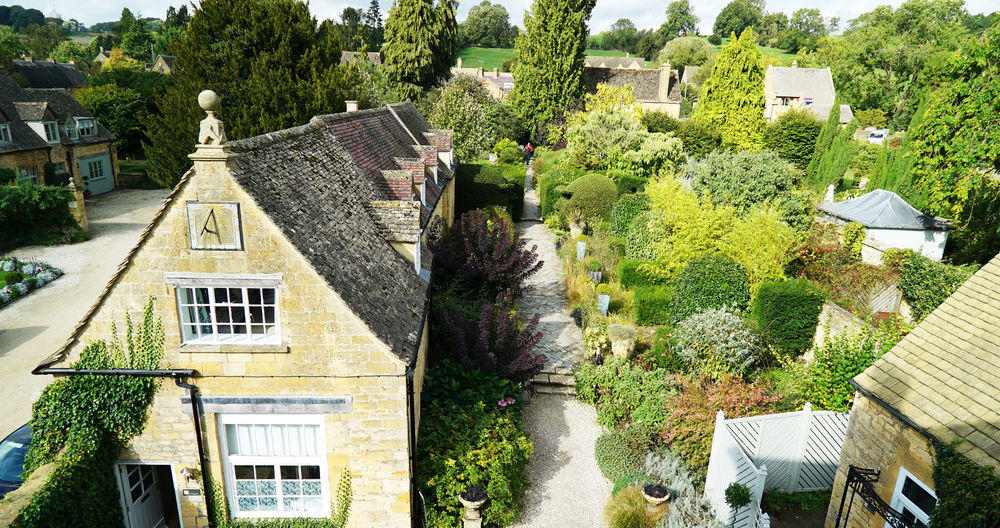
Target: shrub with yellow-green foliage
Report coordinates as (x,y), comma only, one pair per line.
(732,98)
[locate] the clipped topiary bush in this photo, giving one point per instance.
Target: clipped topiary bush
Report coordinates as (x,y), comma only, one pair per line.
(717,343)
(593,196)
(659,122)
(630,274)
(508,151)
(627,182)
(653,305)
(787,313)
(698,137)
(713,281)
(485,185)
(615,457)
(625,210)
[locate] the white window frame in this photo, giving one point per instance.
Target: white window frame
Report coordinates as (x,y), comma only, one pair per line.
(86,126)
(231,461)
(5,134)
(211,282)
(51,131)
(899,501)
(95,170)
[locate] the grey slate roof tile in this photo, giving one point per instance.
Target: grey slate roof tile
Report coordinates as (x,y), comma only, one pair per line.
(45,74)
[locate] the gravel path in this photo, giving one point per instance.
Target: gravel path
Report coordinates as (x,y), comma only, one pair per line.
(567,489)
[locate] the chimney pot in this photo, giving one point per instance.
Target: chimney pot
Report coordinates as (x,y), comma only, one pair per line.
(460,62)
(352,106)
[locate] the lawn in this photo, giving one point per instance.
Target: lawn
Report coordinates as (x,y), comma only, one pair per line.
(82,38)
(781,55)
(489,58)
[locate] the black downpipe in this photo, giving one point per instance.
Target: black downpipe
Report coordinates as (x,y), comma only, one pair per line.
(196,416)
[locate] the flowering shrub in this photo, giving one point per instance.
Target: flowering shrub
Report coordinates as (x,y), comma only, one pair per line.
(471,433)
(691,421)
(623,392)
(596,339)
(718,343)
(19,277)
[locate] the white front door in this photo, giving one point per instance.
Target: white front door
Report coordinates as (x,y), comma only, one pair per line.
(140,496)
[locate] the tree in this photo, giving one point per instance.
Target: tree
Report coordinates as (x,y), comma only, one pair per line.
(793,136)
(125,23)
(686,51)
(771,29)
(68,50)
(266,58)
(446,48)
(177,18)
(137,41)
(549,56)
(681,20)
(487,26)
(622,36)
(803,31)
(478,120)
(373,23)
(411,38)
(117,109)
(825,138)
(732,98)
(162,40)
(351,30)
(20,18)
(41,40)
(736,17)
(10,45)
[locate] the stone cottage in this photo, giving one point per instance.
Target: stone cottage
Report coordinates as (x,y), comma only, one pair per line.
(496,83)
(793,87)
(941,382)
(290,274)
(163,64)
(657,90)
(47,125)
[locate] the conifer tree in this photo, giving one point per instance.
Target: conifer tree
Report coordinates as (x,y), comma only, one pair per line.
(267,60)
(835,161)
(732,98)
(373,21)
(825,138)
(549,60)
(410,42)
(447,45)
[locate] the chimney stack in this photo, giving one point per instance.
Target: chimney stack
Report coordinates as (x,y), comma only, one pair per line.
(352,106)
(496,73)
(460,63)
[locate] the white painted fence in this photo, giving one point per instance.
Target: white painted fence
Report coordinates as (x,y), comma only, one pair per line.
(796,451)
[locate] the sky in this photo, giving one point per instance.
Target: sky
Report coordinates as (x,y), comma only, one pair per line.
(643,13)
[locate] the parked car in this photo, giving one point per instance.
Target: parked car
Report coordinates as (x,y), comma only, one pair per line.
(12,451)
(877,137)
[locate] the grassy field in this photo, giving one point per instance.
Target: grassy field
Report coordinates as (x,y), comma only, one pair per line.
(489,58)
(784,58)
(82,38)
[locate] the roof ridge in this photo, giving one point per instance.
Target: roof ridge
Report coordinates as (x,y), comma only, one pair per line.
(270,138)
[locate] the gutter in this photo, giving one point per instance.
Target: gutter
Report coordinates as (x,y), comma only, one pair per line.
(410,405)
(176,374)
(898,415)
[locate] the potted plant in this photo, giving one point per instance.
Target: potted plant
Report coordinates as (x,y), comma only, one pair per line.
(472,499)
(603,298)
(581,246)
(737,497)
(622,340)
(655,494)
(594,270)
(576,224)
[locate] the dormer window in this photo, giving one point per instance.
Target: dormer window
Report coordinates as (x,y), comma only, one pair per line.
(51,131)
(70,131)
(5,133)
(86,127)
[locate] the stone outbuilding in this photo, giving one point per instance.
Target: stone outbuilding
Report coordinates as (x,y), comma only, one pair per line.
(290,275)
(939,383)
(496,83)
(890,222)
(40,126)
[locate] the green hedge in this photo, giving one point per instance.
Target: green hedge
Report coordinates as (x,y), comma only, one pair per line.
(713,281)
(552,186)
(593,196)
(625,210)
(787,313)
(29,211)
(481,185)
(630,276)
(926,284)
(627,182)
(652,305)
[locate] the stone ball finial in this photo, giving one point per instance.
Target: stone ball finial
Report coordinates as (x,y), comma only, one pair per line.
(209,101)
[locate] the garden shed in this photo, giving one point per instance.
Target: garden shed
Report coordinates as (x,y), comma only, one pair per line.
(891,222)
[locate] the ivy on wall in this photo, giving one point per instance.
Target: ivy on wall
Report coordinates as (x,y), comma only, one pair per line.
(82,423)
(968,494)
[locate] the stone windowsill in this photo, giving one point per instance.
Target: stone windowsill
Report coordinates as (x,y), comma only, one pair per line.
(234,348)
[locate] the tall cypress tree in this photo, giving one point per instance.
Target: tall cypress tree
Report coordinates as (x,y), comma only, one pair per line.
(549,60)
(732,98)
(410,42)
(447,45)
(825,138)
(373,21)
(267,60)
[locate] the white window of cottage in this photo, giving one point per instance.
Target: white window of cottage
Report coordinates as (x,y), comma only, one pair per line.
(87,127)
(219,309)
(913,499)
(275,465)
(51,132)
(5,136)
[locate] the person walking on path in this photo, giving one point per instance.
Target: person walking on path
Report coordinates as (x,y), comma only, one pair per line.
(528,152)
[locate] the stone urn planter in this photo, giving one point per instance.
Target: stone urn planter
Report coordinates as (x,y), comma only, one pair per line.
(603,298)
(472,499)
(493,158)
(656,496)
(581,247)
(622,340)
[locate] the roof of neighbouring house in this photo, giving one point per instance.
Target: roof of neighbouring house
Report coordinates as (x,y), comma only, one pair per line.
(66,107)
(167,59)
(805,83)
(631,63)
(882,209)
(45,74)
(645,83)
(373,56)
(689,72)
(822,111)
(12,104)
(944,376)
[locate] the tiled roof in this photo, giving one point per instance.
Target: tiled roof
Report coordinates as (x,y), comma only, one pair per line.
(305,180)
(45,74)
(66,107)
(645,83)
(23,137)
(811,83)
(168,60)
(31,110)
(882,209)
(594,61)
(945,375)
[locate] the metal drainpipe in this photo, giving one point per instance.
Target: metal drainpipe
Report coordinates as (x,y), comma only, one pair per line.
(196,416)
